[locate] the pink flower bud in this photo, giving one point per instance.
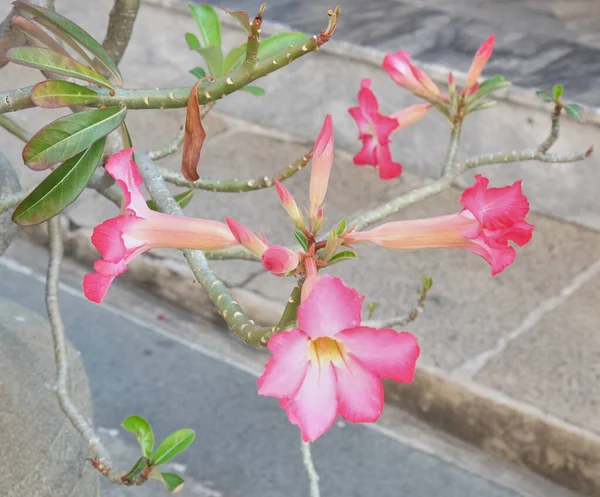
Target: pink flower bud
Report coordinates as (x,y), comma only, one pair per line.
(410,114)
(479,61)
(289,204)
(245,237)
(279,260)
(321,166)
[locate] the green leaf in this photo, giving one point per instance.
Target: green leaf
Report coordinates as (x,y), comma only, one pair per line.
(234,58)
(371,307)
(69,135)
(257,91)
(54,93)
(60,188)
(491,85)
(47,60)
(138,425)
(192,41)
(174,444)
(301,239)
(427,282)
(241,16)
(340,256)
(576,111)
(273,44)
(40,36)
(208,23)
(173,482)
(341,228)
(557,91)
(544,96)
(182,199)
(76,33)
(213,56)
(138,467)
(198,72)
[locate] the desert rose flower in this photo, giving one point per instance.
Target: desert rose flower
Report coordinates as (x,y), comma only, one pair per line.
(279,260)
(138,229)
(331,364)
(490,219)
(479,61)
(399,66)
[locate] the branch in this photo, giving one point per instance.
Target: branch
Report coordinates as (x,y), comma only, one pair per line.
(554,129)
(172,98)
(101,456)
(449,164)
(237,185)
(120,27)
(311,472)
(415,312)
(522,156)
(14,128)
(254,39)
(237,252)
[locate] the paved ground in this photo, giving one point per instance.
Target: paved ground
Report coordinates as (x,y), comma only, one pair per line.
(245,447)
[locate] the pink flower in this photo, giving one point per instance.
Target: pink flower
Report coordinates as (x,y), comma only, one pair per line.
(490,219)
(374,130)
(139,229)
(321,168)
(411,77)
(331,364)
(479,61)
(246,237)
(279,260)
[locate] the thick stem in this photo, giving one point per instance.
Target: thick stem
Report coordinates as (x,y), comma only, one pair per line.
(120,27)
(554,129)
(208,91)
(450,161)
(14,128)
(311,472)
(254,39)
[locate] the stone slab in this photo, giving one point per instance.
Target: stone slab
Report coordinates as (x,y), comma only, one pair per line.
(556,365)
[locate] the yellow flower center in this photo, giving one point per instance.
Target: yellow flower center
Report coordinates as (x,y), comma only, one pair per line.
(324,350)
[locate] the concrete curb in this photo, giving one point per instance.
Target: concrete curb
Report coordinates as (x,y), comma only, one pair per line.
(506,428)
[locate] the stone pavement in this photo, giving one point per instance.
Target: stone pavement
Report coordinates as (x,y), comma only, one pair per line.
(525,341)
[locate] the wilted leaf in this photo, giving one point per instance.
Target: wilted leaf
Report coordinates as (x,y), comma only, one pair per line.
(61,188)
(257,91)
(544,96)
(213,56)
(69,135)
(76,33)
(193,138)
(38,34)
(47,60)
(55,93)
(576,111)
(174,444)
(208,22)
(241,16)
(138,425)
(301,239)
(173,482)
(198,72)
(182,199)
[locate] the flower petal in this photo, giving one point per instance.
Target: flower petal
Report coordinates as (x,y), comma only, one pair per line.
(125,172)
(286,369)
(330,308)
(360,392)
(384,352)
(388,169)
(314,407)
(362,122)
(95,286)
(367,99)
(107,237)
(498,256)
(384,126)
(366,156)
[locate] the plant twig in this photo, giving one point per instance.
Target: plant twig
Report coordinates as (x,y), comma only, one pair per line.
(14,128)
(101,456)
(254,38)
(237,185)
(120,27)
(554,129)
(172,98)
(450,161)
(311,472)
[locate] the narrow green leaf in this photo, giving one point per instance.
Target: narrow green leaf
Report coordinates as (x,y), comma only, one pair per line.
(371,307)
(494,80)
(173,482)
(340,256)
(60,188)
(544,96)
(182,199)
(37,34)
(234,58)
(427,282)
(341,227)
(69,135)
(576,111)
(273,44)
(138,425)
(257,91)
(557,91)
(490,86)
(198,72)
(301,239)
(45,59)
(208,22)
(174,444)
(55,93)
(76,33)
(213,56)
(138,467)
(241,16)
(192,41)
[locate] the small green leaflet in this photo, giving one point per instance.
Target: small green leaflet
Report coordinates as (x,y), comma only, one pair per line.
(544,96)
(173,482)
(182,199)
(557,91)
(138,425)
(213,56)
(241,16)
(257,91)
(341,228)
(208,23)
(174,444)
(576,111)
(198,72)
(340,256)
(301,239)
